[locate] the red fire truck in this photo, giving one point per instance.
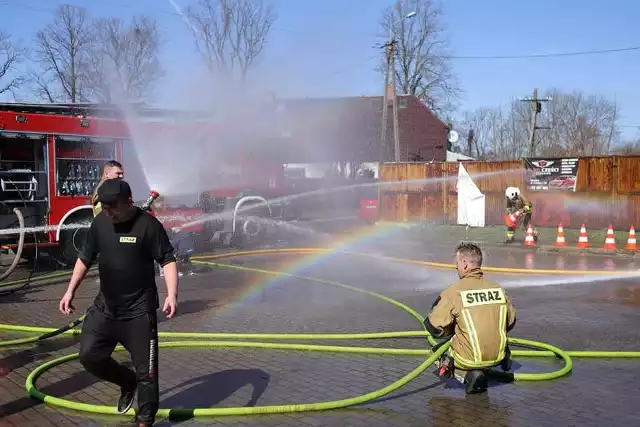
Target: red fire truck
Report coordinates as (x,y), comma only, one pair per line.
(51,158)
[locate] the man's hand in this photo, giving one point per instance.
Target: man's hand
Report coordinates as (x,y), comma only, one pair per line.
(170,306)
(66,306)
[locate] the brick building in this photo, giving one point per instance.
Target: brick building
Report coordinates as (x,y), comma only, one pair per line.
(348,129)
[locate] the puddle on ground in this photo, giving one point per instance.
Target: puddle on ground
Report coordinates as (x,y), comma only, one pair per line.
(621,294)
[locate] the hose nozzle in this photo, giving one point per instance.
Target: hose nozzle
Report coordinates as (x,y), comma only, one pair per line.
(153,195)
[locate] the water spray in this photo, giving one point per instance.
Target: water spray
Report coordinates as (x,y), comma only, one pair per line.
(153,195)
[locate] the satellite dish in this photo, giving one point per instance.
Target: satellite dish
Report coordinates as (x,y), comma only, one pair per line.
(453,136)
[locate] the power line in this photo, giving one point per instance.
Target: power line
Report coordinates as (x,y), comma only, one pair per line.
(548,55)
(517,56)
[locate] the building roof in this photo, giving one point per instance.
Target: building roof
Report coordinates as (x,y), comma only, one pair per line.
(349,128)
(300,130)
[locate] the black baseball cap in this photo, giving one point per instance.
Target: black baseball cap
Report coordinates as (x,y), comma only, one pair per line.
(114,190)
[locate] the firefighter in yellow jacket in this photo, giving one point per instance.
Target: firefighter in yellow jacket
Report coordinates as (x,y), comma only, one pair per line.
(517,203)
(111,170)
(477,314)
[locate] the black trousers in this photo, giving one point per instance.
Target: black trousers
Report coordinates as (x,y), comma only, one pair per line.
(139,336)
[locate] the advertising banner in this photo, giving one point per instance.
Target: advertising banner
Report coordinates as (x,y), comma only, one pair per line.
(558,174)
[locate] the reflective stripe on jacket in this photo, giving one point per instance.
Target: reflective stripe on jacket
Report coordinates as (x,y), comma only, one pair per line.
(95,204)
(479,314)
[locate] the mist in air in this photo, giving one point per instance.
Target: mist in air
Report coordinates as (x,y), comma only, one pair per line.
(265,114)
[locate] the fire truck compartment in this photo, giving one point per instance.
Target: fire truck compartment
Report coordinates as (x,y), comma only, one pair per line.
(23,180)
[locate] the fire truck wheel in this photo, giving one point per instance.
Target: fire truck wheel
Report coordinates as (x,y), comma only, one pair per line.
(72,239)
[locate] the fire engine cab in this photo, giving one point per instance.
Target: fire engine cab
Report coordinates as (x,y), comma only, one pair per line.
(51,159)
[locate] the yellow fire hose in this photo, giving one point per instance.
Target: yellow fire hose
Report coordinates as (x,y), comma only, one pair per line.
(547,349)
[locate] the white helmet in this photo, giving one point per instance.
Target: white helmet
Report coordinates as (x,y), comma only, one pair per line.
(512,192)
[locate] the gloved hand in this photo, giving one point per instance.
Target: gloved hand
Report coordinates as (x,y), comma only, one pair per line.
(527,209)
(446,367)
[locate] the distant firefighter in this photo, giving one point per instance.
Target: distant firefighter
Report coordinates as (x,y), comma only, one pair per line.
(519,211)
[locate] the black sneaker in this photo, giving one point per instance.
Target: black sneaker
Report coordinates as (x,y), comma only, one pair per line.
(476,382)
(506,363)
(126,401)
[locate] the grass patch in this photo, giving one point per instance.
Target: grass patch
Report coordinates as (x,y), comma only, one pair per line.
(497,235)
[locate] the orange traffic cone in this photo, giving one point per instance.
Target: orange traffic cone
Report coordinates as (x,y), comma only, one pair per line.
(583,240)
(512,220)
(560,241)
(610,240)
(631,241)
(529,240)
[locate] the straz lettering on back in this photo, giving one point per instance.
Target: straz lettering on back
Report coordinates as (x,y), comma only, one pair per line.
(483,297)
(127,239)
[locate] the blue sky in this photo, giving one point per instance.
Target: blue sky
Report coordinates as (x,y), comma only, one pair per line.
(325,48)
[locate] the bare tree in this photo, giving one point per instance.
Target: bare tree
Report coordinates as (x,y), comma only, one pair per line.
(11,55)
(124,59)
(487,126)
(627,148)
(423,67)
(231,34)
(577,125)
(63,49)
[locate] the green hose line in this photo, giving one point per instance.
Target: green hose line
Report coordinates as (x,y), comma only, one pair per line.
(47,276)
(226,340)
(209,412)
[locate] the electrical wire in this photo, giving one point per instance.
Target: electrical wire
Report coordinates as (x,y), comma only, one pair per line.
(453,57)
(546,55)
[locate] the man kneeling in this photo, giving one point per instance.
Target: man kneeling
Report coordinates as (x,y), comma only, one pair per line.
(478,313)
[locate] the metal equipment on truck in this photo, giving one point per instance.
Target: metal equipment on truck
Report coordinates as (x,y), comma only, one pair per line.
(51,157)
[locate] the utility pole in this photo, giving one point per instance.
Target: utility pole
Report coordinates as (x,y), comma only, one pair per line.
(396,130)
(470,138)
(390,68)
(537,108)
(385,101)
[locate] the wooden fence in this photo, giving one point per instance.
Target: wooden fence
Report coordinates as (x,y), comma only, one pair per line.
(607,192)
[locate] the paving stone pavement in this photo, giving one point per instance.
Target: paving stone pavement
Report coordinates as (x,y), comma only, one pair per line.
(588,315)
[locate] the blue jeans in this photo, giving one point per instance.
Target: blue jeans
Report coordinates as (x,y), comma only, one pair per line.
(182,244)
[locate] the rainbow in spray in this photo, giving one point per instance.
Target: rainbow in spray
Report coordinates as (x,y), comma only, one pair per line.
(296,263)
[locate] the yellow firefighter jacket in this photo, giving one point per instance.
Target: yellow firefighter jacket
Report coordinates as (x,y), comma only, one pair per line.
(97,207)
(521,202)
(479,313)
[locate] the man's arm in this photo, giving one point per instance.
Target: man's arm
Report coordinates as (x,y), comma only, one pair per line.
(441,318)
(86,257)
(79,272)
(163,253)
(170,272)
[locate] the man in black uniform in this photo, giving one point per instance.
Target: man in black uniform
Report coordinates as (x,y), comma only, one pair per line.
(128,241)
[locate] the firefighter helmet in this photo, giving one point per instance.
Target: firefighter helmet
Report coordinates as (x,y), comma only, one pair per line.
(512,193)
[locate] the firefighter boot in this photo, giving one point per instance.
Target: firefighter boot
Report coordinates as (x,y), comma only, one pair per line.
(510,235)
(506,363)
(476,382)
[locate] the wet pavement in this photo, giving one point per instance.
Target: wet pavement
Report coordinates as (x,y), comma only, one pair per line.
(572,312)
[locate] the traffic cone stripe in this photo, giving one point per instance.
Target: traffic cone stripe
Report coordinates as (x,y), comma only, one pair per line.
(610,240)
(631,241)
(560,240)
(529,240)
(583,240)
